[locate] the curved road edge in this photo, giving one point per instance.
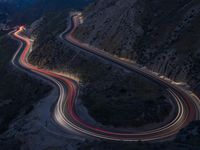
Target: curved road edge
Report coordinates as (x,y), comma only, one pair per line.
(188,105)
(66,116)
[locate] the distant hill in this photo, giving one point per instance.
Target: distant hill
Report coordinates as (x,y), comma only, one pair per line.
(26,11)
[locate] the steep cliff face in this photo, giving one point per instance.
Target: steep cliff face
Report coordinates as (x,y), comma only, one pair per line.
(113,25)
(163,35)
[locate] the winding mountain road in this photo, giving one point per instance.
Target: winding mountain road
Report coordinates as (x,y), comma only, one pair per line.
(65,114)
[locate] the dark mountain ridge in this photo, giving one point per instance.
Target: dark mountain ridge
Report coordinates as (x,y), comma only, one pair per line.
(26,11)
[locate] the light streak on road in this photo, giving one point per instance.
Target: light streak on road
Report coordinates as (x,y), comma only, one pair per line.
(187,108)
(65,114)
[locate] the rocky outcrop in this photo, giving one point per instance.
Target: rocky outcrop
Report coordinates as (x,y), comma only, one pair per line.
(163,35)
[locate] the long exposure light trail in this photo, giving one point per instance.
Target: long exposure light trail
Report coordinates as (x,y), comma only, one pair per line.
(65,114)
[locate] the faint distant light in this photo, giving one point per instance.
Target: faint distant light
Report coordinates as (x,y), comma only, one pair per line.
(81,20)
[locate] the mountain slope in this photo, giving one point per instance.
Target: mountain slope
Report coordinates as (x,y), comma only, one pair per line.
(163,35)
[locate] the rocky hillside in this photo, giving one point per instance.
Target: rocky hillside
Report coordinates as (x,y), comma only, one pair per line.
(163,35)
